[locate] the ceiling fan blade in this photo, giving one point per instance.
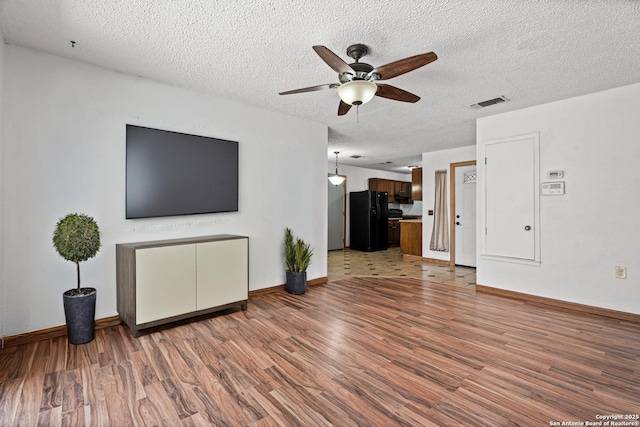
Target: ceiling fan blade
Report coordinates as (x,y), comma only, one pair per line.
(402,66)
(311,89)
(397,94)
(343,108)
(333,60)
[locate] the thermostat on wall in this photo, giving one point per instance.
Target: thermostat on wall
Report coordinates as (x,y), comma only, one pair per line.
(553,188)
(556,174)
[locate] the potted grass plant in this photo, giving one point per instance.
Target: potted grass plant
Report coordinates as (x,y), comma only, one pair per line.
(297,256)
(76,238)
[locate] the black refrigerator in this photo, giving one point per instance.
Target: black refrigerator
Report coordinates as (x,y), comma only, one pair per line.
(369,220)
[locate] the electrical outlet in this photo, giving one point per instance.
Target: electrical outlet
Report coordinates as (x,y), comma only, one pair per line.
(621,272)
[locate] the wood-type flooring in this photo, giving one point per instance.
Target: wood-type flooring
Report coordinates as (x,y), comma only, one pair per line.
(355,352)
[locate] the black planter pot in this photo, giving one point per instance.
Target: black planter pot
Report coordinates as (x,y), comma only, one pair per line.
(80,313)
(296,283)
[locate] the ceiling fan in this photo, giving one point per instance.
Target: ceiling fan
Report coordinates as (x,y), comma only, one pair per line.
(359,81)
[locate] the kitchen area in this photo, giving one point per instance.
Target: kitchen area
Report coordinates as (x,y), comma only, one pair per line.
(404,223)
(390,228)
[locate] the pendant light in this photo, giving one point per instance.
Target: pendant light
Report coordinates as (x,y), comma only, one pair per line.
(336,179)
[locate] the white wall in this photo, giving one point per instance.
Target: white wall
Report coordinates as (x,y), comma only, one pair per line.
(2,84)
(358,180)
(431,162)
(64,150)
(594,226)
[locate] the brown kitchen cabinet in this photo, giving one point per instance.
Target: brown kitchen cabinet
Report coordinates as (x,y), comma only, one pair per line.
(411,237)
(379,184)
(394,231)
(392,187)
(416,183)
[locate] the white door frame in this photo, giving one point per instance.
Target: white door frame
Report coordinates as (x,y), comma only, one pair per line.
(452,207)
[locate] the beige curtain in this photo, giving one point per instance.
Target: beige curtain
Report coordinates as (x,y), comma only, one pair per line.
(440,233)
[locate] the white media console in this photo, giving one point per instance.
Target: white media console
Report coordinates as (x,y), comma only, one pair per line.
(159,282)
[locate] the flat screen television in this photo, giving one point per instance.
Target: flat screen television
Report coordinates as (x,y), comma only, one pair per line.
(171,173)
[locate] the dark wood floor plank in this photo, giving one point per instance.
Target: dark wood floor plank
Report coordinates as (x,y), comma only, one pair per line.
(362,351)
(176,392)
(8,360)
(416,417)
(39,364)
(174,359)
(235,413)
(161,367)
(92,384)
(28,409)
(197,420)
(52,390)
(145,413)
(16,363)
(232,383)
(144,370)
(74,418)
(98,414)
(73,396)
(492,401)
(50,417)
(131,383)
(207,408)
(298,406)
(162,404)
(271,410)
(115,397)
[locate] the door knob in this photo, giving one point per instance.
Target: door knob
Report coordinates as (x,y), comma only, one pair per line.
(527,227)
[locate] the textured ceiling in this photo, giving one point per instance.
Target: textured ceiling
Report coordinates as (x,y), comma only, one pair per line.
(532,52)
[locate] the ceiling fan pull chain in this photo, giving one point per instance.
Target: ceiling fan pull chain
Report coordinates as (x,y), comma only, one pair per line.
(357,114)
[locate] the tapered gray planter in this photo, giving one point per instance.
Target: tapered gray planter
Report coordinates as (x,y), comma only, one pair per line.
(80,313)
(296,283)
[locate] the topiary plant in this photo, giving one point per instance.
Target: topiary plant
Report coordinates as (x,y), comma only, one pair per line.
(76,238)
(297,254)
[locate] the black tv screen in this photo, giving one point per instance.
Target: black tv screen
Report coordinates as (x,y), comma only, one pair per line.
(171,173)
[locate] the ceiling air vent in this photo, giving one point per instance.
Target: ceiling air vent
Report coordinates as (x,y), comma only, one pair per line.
(489,102)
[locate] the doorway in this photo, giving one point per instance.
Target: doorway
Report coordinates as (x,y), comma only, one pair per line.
(463,213)
(336,215)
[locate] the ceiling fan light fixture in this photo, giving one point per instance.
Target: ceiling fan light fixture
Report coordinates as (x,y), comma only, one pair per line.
(357,92)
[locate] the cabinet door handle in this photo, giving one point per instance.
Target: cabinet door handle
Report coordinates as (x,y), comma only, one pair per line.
(527,227)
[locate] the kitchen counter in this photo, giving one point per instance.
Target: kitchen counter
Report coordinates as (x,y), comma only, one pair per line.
(411,237)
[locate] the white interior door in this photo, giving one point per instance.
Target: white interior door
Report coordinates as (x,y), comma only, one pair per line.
(510,198)
(465,215)
(336,216)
